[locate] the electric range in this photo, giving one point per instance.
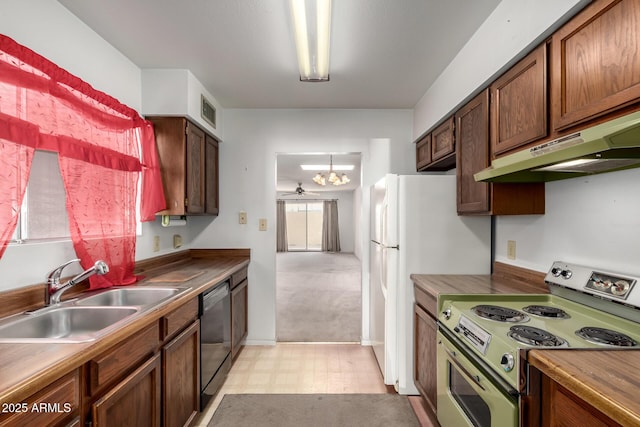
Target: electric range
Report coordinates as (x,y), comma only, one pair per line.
(483,336)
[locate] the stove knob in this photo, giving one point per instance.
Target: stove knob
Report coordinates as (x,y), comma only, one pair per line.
(566,274)
(447,314)
(556,271)
(507,362)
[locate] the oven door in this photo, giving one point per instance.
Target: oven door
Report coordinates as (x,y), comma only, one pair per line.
(466,395)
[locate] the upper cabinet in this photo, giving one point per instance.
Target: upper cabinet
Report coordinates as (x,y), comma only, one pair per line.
(595,62)
(481,198)
(436,151)
(189,165)
(519,104)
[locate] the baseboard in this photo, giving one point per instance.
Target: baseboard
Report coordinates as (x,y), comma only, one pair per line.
(260,342)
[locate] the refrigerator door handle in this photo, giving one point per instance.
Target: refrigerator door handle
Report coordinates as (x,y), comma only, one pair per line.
(383,271)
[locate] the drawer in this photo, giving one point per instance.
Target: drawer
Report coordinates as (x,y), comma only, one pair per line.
(51,406)
(114,363)
(427,301)
(238,277)
(178,319)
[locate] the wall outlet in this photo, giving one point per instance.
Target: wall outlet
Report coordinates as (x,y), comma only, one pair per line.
(511,249)
(263,224)
(156,243)
(242,217)
(177,241)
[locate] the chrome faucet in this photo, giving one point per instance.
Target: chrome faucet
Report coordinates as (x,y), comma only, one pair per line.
(54,289)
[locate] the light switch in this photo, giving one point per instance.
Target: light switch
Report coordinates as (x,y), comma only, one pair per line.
(511,249)
(242,217)
(263,224)
(177,241)
(156,243)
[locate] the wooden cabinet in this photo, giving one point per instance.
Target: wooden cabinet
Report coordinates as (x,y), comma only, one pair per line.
(595,59)
(189,165)
(239,310)
(480,198)
(152,378)
(436,150)
(425,367)
(181,377)
(519,104)
(135,401)
(423,152)
(561,407)
(56,404)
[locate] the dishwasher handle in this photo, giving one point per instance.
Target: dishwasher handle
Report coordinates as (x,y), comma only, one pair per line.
(214,296)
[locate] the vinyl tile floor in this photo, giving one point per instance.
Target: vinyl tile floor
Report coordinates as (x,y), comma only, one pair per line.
(300,368)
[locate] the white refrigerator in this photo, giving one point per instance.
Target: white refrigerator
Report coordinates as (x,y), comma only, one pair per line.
(415,229)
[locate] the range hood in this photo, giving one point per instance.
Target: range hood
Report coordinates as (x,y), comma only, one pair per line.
(610,146)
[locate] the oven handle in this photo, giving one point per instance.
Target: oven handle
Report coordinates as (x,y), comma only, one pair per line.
(452,358)
(214,297)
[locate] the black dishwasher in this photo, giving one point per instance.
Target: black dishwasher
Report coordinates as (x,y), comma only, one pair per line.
(215,340)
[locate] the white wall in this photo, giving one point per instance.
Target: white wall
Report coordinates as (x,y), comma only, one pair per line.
(51,30)
(592,221)
(345,215)
(514,27)
(253,138)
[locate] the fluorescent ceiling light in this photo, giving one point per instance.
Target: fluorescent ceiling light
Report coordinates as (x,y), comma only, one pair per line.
(326,167)
(312,27)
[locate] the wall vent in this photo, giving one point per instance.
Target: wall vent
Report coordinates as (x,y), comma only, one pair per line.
(208,111)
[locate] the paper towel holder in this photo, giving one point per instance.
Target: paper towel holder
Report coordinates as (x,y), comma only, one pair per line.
(173,221)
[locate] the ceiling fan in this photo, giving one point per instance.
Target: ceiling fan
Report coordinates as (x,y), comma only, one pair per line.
(299,191)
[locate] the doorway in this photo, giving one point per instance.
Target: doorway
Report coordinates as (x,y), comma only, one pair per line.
(318,289)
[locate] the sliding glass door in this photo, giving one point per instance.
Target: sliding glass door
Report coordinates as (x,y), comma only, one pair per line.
(304,225)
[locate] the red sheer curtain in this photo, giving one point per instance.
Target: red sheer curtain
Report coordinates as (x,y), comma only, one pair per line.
(104,147)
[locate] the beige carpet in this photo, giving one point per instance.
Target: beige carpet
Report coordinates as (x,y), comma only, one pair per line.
(302,410)
(318,297)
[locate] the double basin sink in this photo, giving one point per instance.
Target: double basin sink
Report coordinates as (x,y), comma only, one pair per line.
(85,318)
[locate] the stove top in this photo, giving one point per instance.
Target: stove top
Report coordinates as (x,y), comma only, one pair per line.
(581,313)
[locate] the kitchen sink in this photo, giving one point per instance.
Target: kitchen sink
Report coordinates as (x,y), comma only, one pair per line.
(63,324)
(134,296)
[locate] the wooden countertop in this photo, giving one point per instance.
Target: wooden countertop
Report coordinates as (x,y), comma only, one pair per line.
(27,368)
(505,280)
(608,380)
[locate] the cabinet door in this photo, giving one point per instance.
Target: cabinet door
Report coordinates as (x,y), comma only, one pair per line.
(443,140)
(135,401)
(181,377)
(472,134)
(423,152)
(195,168)
(595,62)
(519,104)
(170,141)
(59,403)
(211,176)
(425,367)
(239,301)
(560,407)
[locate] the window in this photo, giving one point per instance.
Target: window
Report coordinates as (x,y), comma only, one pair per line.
(304,226)
(43,214)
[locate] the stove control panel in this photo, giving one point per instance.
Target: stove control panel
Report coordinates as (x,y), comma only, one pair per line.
(617,287)
(606,285)
(474,334)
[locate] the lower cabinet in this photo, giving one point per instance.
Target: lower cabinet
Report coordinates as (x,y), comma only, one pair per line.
(150,379)
(135,401)
(56,404)
(560,407)
(180,381)
(425,367)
